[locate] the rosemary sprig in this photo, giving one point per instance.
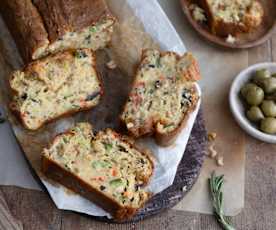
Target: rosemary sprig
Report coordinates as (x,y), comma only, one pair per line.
(216,183)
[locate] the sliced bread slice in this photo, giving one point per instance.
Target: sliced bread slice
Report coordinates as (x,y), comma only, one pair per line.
(163,95)
(57,85)
(104,168)
(229,17)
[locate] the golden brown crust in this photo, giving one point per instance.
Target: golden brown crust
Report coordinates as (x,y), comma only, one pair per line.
(70,112)
(73,182)
(25,25)
(61,16)
(150,127)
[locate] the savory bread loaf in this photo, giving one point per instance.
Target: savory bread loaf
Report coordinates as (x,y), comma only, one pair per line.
(40,27)
(232,16)
(104,168)
(57,85)
(163,95)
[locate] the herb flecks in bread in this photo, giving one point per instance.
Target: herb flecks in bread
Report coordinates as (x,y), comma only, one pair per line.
(54,86)
(42,27)
(162,96)
(105,163)
(94,37)
(233,16)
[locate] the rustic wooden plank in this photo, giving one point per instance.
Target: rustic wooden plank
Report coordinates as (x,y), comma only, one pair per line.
(273,46)
(7,220)
(261,53)
(173,220)
(33,208)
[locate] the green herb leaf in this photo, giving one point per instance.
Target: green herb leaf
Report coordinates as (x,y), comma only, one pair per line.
(108,146)
(216,183)
(116,183)
(158,62)
(168,126)
(93,29)
(101,164)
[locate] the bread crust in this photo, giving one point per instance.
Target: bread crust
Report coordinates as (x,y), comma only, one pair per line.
(73,182)
(17,113)
(223,29)
(35,24)
(150,128)
(61,16)
(25,25)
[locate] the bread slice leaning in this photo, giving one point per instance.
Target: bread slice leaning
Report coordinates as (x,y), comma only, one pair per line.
(163,95)
(55,86)
(229,17)
(104,168)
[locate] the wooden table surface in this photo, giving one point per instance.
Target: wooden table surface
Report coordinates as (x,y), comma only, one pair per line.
(33,210)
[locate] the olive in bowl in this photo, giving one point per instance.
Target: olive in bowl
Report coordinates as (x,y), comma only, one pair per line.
(258,95)
(252,118)
(253,94)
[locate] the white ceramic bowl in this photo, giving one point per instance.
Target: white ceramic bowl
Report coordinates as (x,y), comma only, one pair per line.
(237,107)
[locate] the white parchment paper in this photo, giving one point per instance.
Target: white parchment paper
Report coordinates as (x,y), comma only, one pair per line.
(157,25)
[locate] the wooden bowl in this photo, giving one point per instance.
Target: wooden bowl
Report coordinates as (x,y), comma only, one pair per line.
(245,40)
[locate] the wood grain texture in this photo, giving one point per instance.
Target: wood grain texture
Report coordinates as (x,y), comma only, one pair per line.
(7,220)
(34,210)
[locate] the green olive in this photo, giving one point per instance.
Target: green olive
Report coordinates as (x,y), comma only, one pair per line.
(254,95)
(246,88)
(269,108)
(255,114)
(268,85)
(268,125)
(261,75)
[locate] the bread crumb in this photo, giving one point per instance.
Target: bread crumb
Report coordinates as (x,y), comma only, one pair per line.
(198,13)
(207,153)
(220,160)
(130,125)
(111,64)
(230,39)
(213,152)
(212,136)
(184,189)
